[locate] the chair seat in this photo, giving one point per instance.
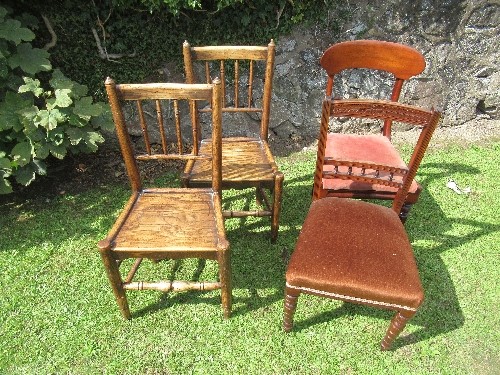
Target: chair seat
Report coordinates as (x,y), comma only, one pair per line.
(355,251)
(244,160)
(163,220)
(376,149)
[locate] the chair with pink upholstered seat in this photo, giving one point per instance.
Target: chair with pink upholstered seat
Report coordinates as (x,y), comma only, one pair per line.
(401,62)
(357,251)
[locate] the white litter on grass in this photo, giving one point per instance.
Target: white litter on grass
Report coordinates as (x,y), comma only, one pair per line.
(453,186)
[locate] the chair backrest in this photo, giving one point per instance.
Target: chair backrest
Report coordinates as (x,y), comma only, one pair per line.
(241,88)
(403,62)
(400,178)
(162,96)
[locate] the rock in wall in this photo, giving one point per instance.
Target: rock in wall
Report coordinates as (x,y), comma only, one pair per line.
(459,39)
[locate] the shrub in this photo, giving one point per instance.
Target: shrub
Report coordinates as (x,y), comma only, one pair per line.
(42,112)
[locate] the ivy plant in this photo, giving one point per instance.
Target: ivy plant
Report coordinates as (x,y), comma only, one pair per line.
(39,116)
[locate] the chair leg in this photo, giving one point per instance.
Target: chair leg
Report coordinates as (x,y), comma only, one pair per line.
(224,260)
(291,297)
(116,281)
(277,194)
(405,211)
(398,323)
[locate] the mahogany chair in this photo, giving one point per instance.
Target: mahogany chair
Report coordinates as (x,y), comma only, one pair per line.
(247,161)
(357,251)
(402,62)
(167,223)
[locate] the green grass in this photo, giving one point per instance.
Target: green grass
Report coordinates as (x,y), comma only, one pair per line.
(58,314)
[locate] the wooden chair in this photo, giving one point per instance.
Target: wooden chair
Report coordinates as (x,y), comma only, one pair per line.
(161,223)
(403,63)
(247,161)
(356,251)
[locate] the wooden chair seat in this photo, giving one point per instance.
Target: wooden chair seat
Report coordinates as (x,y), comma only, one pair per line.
(245,162)
(161,221)
(372,148)
(368,257)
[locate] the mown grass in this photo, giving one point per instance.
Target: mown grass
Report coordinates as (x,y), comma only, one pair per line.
(58,314)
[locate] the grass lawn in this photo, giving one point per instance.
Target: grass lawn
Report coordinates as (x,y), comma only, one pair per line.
(58,313)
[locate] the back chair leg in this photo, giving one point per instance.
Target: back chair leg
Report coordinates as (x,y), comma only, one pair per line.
(291,297)
(277,194)
(405,211)
(398,323)
(116,281)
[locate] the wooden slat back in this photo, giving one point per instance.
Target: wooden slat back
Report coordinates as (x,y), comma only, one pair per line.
(241,60)
(400,178)
(162,96)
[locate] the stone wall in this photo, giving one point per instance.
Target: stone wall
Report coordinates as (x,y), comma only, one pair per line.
(460,42)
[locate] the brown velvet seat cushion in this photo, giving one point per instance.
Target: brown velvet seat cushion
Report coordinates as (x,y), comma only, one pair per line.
(358,250)
(371,148)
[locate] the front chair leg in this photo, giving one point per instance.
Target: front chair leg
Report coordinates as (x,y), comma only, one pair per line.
(291,297)
(398,323)
(224,260)
(114,278)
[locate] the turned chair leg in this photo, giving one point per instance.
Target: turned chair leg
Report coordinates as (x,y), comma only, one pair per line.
(398,323)
(224,260)
(116,281)
(291,298)
(277,194)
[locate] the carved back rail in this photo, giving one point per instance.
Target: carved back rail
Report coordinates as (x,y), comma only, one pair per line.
(400,178)
(242,62)
(162,95)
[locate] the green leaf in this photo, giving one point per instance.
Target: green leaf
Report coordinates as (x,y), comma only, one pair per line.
(42,150)
(5,164)
(31,60)
(75,135)
(49,119)
(5,187)
(59,151)
(4,70)
(105,120)
(85,109)
(61,100)
(25,175)
(60,81)
(21,153)
(92,139)
(12,30)
(10,110)
(31,85)
(3,13)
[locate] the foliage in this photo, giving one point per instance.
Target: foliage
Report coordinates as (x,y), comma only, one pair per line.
(36,119)
(150,37)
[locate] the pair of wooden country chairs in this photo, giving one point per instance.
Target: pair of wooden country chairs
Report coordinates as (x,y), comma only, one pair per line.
(163,223)
(347,249)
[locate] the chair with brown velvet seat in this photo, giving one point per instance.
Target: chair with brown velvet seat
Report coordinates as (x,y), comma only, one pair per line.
(356,251)
(247,160)
(166,223)
(400,61)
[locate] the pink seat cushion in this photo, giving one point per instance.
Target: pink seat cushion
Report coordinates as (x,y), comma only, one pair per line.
(358,250)
(375,149)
